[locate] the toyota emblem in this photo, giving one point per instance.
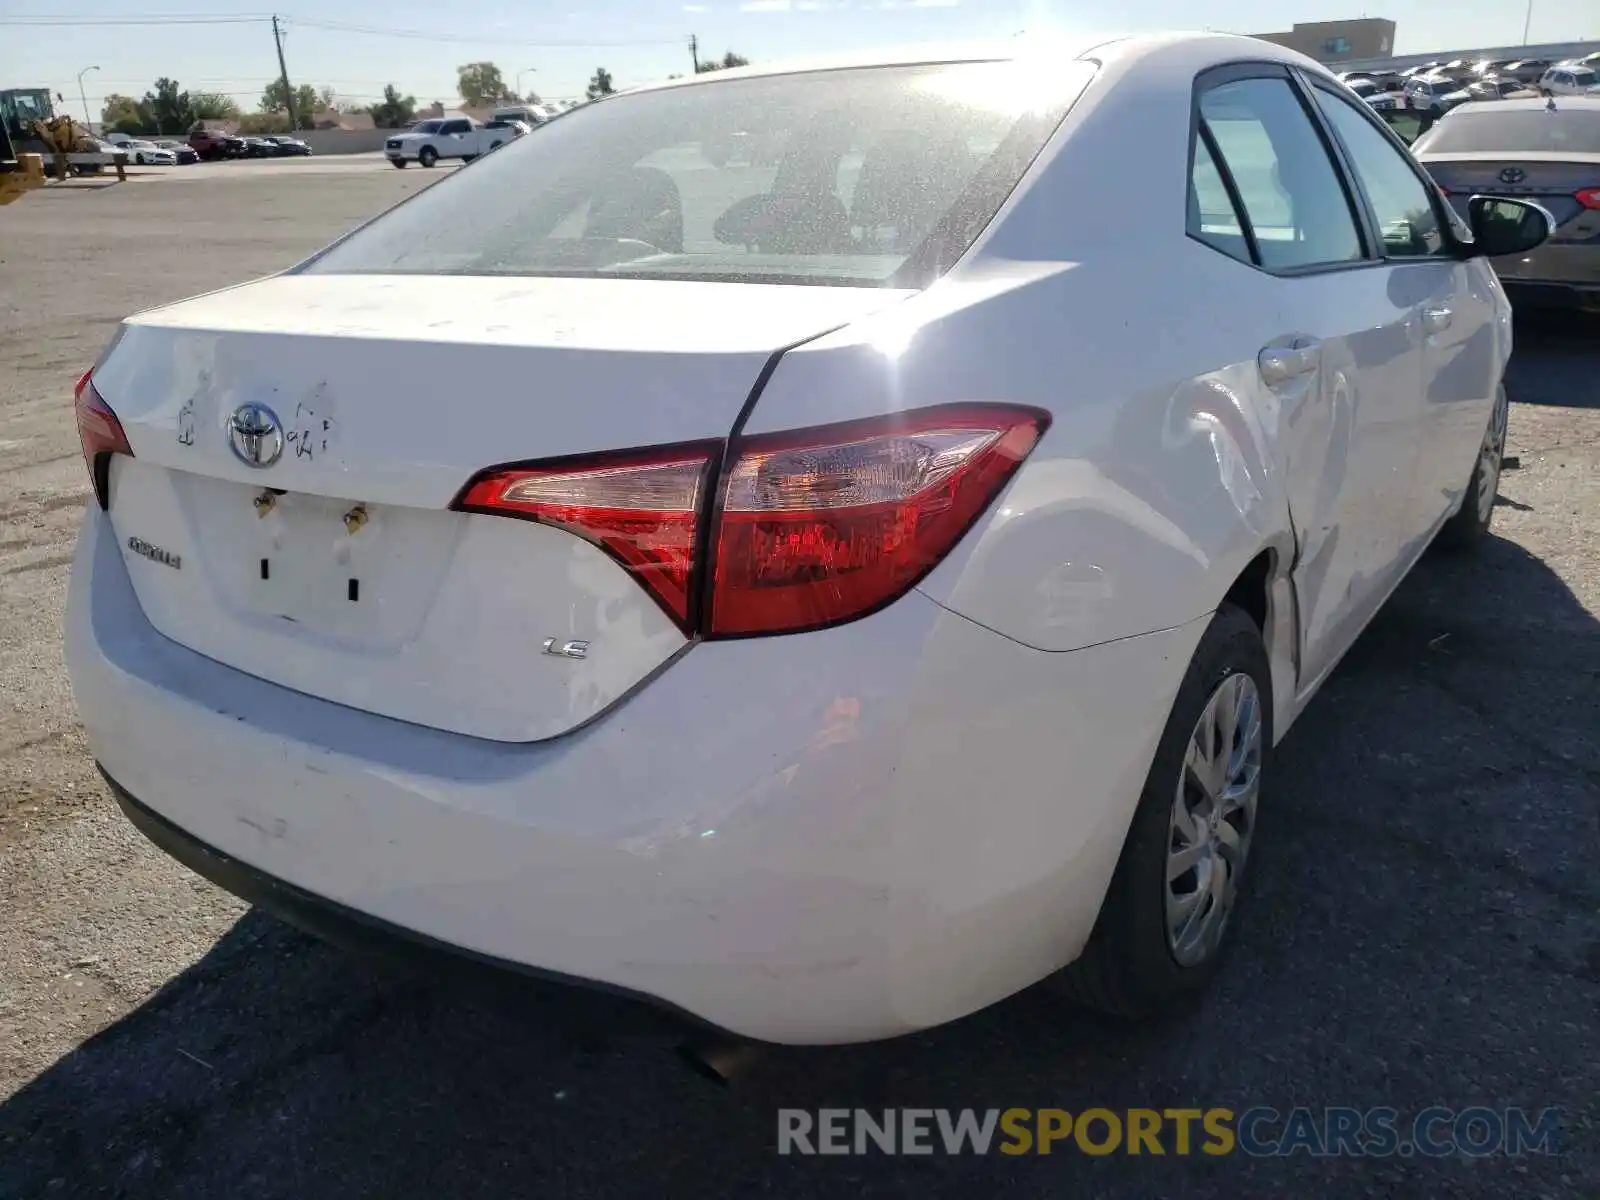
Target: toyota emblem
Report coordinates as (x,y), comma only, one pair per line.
(256,435)
(1513,175)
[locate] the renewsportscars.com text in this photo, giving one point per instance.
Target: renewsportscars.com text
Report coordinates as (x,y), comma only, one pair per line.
(1435,1132)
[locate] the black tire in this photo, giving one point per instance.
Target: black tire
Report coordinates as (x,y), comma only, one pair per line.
(428,156)
(1467,529)
(1128,968)
(466,158)
(399,163)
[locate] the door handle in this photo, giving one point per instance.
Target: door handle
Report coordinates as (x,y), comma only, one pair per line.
(1436,319)
(1280,364)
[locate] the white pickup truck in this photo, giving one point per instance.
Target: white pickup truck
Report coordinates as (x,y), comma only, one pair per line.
(428,141)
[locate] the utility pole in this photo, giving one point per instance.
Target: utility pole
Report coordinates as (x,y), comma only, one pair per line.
(694,52)
(283,74)
(87,119)
(1527,23)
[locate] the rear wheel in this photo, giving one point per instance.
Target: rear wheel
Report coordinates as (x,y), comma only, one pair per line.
(1169,910)
(428,156)
(1471,524)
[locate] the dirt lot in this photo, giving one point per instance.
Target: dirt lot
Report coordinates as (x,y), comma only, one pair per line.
(1425,926)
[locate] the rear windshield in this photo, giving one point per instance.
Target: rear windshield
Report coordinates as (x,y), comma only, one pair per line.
(427,127)
(860,177)
(1500,129)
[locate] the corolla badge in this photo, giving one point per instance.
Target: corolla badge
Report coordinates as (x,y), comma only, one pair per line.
(1513,175)
(256,435)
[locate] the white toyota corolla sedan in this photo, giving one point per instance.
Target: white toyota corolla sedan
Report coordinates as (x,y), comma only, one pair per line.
(823,594)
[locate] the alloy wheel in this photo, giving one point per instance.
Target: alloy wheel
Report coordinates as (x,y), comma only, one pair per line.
(1213,818)
(1494,448)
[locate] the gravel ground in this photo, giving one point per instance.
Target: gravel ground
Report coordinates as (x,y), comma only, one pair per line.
(1425,927)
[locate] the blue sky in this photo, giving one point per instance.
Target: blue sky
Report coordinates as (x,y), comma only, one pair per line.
(637,40)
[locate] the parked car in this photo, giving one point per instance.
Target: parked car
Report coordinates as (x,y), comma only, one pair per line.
(1490,66)
(822,673)
(1570,81)
(1428,93)
(148,154)
(1550,156)
(182,151)
(287,147)
(427,142)
(1500,89)
(1374,95)
(210,145)
(1529,70)
(510,125)
(529,114)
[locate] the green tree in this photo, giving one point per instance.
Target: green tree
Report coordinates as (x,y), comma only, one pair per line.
(481,84)
(727,61)
(396,111)
(213,106)
(600,84)
(123,114)
(169,109)
(275,100)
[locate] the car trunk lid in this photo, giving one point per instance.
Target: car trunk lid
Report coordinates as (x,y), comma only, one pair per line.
(1549,179)
(338,568)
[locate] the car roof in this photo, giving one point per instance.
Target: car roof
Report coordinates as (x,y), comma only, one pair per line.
(1025,48)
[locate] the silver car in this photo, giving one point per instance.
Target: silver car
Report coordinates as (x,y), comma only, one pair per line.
(1543,150)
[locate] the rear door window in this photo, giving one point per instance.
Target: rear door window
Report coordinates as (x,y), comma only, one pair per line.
(1294,201)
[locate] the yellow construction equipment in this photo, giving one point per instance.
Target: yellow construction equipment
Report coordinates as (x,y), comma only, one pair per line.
(19,173)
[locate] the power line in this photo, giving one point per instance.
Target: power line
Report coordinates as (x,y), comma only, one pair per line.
(429,35)
(41,22)
(58,20)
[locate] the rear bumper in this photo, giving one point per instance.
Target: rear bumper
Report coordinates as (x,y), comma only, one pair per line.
(591,1004)
(828,837)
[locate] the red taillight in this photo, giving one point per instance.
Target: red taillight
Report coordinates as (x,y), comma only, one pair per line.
(642,508)
(826,525)
(809,528)
(100,432)
(1589,197)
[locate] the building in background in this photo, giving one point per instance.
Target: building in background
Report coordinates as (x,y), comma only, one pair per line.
(1338,41)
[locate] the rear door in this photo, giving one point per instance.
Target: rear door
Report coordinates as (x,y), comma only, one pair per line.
(1339,367)
(1452,304)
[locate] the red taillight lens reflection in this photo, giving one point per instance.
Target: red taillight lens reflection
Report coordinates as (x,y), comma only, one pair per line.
(1589,197)
(830,524)
(643,509)
(100,433)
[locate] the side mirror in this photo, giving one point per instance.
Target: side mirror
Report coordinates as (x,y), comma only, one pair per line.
(1504,226)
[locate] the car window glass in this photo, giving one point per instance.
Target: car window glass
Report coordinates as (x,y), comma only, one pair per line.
(1291,195)
(1407,220)
(1212,218)
(1503,129)
(843,178)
